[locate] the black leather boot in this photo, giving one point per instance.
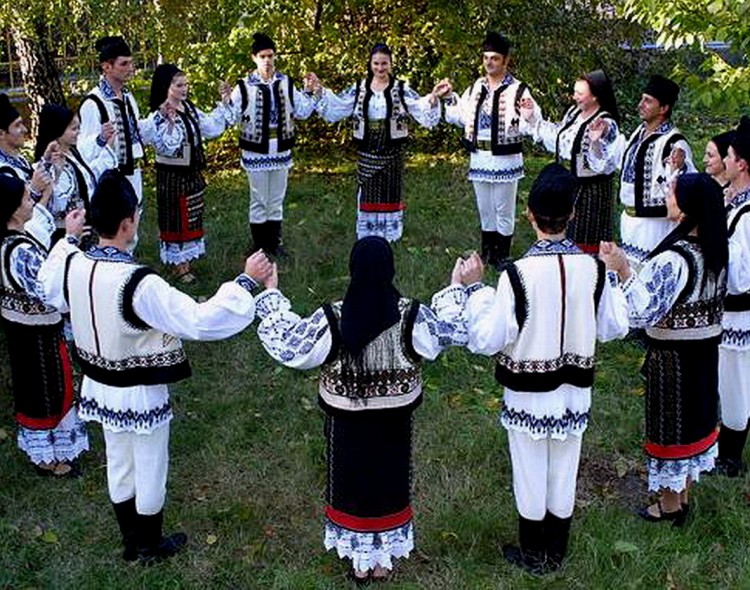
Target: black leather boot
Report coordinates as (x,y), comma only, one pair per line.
(256,238)
(731,445)
(275,242)
(556,534)
(530,555)
(127,521)
(152,546)
(502,248)
(488,246)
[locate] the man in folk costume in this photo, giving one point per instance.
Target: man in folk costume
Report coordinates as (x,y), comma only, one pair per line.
(734,350)
(489,112)
(655,153)
(265,104)
(110,108)
(127,324)
(541,324)
(13,135)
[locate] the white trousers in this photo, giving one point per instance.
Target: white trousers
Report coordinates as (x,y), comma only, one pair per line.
(734,387)
(544,474)
(267,191)
(137,465)
(496,202)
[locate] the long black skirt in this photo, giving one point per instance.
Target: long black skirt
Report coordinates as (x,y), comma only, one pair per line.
(594,214)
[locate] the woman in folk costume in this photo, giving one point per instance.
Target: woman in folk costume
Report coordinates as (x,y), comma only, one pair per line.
(678,298)
(75,178)
(180,185)
(569,140)
(381,107)
(713,158)
(370,346)
(49,430)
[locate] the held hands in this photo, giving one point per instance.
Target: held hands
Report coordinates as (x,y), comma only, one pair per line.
(74,222)
(598,129)
(676,160)
(168,111)
(259,268)
(225,91)
(441,89)
(53,155)
(41,182)
(467,271)
(108,133)
(527,106)
(614,259)
(312,84)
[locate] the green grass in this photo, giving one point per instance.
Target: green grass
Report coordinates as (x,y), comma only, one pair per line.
(247,467)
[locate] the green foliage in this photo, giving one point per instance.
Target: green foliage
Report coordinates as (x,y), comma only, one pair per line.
(721,81)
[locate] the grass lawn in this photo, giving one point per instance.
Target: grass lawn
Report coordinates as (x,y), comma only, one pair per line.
(248,472)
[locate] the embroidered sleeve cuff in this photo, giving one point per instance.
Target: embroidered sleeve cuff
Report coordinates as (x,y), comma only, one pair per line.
(451,100)
(72,240)
(628,283)
(473,288)
(246,282)
(35,194)
(453,295)
(613,278)
(271,301)
(100,141)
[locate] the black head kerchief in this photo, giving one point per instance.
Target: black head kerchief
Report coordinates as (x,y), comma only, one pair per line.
(740,139)
(160,82)
(114,199)
(262,41)
(497,43)
(663,90)
(371,302)
(12,190)
(553,192)
(112,47)
(701,199)
(53,121)
(8,113)
(722,142)
(601,87)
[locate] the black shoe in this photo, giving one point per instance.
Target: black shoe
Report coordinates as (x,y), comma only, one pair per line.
(531,561)
(167,547)
(728,468)
(676,517)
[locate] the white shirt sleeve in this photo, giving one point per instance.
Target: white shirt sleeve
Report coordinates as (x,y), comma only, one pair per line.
(441,325)
(91,128)
(334,107)
(738,270)
(456,108)
(170,310)
(653,291)
(612,315)
(420,109)
(298,343)
(491,318)
(304,104)
(213,124)
(52,274)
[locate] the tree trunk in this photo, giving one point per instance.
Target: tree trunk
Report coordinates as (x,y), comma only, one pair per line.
(41,77)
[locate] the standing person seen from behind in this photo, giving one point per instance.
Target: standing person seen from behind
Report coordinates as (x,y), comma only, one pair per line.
(370,347)
(541,324)
(127,325)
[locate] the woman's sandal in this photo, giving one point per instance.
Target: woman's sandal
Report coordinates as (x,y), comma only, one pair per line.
(676,517)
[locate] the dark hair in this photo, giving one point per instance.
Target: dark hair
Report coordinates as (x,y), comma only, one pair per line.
(551,225)
(114,199)
(601,87)
(378,48)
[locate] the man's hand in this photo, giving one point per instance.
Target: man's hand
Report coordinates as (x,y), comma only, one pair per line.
(225,91)
(74,222)
(472,270)
(108,133)
(258,267)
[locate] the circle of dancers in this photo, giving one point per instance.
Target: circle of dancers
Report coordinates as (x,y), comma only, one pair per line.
(680,279)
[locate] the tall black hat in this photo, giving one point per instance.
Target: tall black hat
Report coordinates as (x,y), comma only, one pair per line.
(553,192)
(496,42)
(112,47)
(8,113)
(722,142)
(662,89)
(740,140)
(262,41)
